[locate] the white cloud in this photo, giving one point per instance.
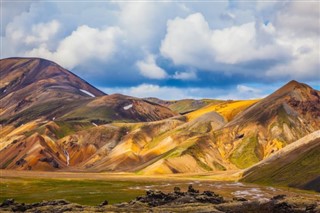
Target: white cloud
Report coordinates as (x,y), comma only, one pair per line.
(150,90)
(190,41)
(36,35)
(298,18)
(10,10)
(244,88)
(145,22)
(149,69)
(42,32)
(228,16)
(298,27)
(241,92)
(305,65)
(187,75)
(277,40)
(187,41)
(138,18)
(84,44)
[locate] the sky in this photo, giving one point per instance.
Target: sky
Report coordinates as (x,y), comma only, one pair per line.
(171,49)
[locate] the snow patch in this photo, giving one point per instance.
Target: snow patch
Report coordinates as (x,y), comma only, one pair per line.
(94,124)
(4,91)
(128,107)
(88,93)
(54,118)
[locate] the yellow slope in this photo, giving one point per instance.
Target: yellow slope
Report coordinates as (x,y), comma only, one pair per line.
(227,109)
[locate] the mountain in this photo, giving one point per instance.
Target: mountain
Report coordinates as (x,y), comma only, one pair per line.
(61,126)
(185,105)
(41,86)
(281,118)
(118,108)
(296,165)
(33,88)
(41,102)
(232,134)
(217,137)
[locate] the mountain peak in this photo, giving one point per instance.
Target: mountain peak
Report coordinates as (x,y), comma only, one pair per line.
(293,83)
(34,81)
(289,87)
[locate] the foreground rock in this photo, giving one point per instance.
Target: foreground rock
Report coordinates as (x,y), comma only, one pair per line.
(58,206)
(158,198)
(176,201)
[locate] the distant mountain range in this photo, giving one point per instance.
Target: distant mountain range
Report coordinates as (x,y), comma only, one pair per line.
(53,120)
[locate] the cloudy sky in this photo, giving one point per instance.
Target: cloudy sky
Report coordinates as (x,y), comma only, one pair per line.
(171,49)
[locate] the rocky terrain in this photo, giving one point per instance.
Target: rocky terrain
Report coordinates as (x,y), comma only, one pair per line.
(177,201)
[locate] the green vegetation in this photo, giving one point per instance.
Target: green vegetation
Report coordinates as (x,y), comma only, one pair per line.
(197,154)
(283,118)
(218,166)
(173,153)
(298,172)
(245,154)
(67,128)
(106,114)
(86,192)
(203,165)
(188,105)
(35,112)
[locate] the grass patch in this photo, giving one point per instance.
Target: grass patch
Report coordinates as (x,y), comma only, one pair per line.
(299,172)
(196,152)
(89,113)
(85,192)
(218,166)
(245,154)
(35,112)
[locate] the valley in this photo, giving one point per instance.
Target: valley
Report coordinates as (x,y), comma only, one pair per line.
(61,138)
(93,188)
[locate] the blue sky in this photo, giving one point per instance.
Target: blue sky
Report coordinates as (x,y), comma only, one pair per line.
(171,49)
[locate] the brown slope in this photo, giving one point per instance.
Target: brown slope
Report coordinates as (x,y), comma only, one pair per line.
(35,91)
(27,82)
(167,146)
(295,99)
(33,146)
(32,88)
(117,107)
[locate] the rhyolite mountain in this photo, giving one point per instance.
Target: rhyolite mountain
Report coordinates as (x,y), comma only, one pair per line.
(31,88)
(27,82)
(78,128)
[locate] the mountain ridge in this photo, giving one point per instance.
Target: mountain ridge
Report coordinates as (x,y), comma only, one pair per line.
(49,123)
